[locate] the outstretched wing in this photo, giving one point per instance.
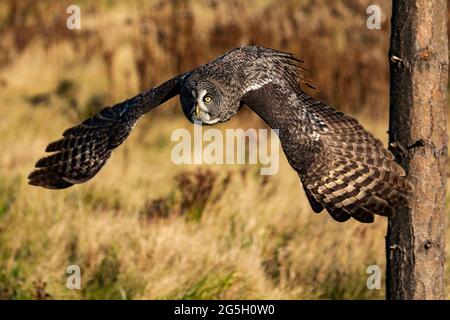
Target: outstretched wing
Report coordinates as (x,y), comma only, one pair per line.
(355,176)
(85,148)
(343,167)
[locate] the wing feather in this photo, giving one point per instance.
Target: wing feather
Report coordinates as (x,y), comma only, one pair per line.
(354,172)
(85,148)
(342,166)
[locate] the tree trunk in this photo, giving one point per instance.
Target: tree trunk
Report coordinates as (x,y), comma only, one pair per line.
(418,56)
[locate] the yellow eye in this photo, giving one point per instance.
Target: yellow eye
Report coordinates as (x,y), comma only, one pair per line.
(207,98)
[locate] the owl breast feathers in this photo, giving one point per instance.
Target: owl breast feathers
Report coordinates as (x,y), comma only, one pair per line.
(343,168)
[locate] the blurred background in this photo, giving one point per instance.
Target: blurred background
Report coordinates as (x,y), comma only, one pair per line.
(145,228)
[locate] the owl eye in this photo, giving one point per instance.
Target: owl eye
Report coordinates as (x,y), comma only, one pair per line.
(207,98)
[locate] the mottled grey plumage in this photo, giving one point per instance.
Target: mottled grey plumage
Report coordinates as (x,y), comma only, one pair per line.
(343,168)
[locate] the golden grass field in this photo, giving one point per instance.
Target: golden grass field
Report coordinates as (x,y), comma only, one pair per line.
(145,228)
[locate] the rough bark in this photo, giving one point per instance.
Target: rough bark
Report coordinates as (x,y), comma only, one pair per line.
(418,56)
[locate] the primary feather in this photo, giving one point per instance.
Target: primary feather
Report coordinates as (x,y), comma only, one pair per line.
(85,148)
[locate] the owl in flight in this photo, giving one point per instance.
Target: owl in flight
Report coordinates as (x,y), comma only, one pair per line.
(343,168)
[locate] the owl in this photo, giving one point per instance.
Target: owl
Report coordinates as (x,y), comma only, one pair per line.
(342,167)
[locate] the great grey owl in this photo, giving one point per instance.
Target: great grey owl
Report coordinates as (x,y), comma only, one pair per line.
(342,167)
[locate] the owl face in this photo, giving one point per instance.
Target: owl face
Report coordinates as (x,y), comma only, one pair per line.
(203,101)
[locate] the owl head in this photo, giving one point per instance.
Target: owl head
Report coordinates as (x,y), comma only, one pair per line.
(208,99)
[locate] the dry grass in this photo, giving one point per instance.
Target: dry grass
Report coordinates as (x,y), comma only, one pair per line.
(145,227)
(134,236)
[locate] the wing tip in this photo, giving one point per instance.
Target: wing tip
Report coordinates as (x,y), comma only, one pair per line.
(38,178)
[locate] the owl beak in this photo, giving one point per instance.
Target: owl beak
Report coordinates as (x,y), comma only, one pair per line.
(197,110)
